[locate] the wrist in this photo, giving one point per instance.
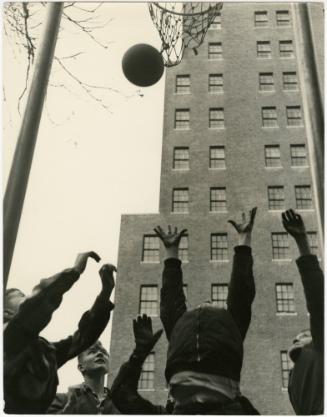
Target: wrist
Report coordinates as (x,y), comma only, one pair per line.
(244,239)
(172,252)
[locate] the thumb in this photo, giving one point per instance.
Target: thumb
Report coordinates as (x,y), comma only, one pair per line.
(233,223)
(157,336)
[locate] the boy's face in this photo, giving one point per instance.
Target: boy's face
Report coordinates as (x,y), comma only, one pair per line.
(94,359)
(13,301)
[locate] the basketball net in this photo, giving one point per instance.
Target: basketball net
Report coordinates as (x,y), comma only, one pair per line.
(182,25)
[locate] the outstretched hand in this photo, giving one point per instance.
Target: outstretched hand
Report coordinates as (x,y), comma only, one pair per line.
(293,223)
(145,339)
(81,260)
(171,238)
(246,225)
(107,277)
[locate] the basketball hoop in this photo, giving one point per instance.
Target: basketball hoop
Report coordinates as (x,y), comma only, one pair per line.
(182,25)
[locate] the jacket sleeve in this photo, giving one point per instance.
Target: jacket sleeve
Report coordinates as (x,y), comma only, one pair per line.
(313,284)
(241,291)
(90,328)
(36,311)
(172,298)
(124,390)
(58,404)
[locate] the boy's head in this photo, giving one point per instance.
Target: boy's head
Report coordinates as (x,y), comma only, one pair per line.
(12,300)
(301,340)
(95,359)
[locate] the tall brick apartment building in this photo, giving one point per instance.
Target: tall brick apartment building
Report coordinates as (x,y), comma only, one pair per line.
(235,136)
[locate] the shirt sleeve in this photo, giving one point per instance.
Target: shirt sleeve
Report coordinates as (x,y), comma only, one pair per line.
(313,284)
(172,298)
(58,404)
(241,291)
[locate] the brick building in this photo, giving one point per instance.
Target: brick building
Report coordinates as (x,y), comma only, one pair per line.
(235,136)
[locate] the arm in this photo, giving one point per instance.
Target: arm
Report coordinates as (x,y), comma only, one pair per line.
(92,323)
(241,290)
(172,298)
(124,388)
(311,275)
(58,404)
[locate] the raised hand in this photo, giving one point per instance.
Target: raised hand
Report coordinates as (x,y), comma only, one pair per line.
(107,277)
(171,238)
(246,225)
(145,339)
(81,260)
(293,223)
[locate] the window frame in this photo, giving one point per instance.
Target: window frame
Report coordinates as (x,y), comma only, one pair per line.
(213,160)
(215,55)
(185,86)
(264,53)
(219,253)
(286,52)
(302,200)
(216,87)
(263,77)
(281,22)
(184,122)
(180,160)
(285,299)
(146,304)
(267,121)
(294,113)
(181,202)
(217,122)
(290,83)
(277,250)
(276,201)
(261,23)
(298,158)
(221,300)
(146,258)
(271,158)
(219,203)
(149,362)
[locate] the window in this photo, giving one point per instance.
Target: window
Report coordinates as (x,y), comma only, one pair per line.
(294,115)
(181,158)
(272,156)
(146,380)
(269,117)
(183,249)
(261,19)
(219,247)
(285,298)
(149,300)
(180,200)
(183,84)
(219,293)
(150,249)
(286,366)
(298,155)
(313,242)
(266,81)
(216,23)
(216,83)
(280,245)
(218,199)
(263,49)
(216,118)
(217,157)
(286,49)
(276,198)
(215,50)
(182,119)
(282,17)
(290,81)
(303,197)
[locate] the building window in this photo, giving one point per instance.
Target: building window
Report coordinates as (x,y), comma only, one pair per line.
(219,247)
(298,155)
(149,300)
(276,198)
(313,242)
(272,156)
(182,119)
(216,83)
(218,199)
(263,49)
(219,294)
(280,245)
(269,117)
(286,49)
(180,200)
(283,17)
(290,81)
(285,298)
(217,157)
(216,118)
(181,158)
(146,380)
(215,50)
(294,115)
(150,249)
(286,366)
(303,197)
(260,18)
(216,23)
(266,81)
(183,249)
(183,84)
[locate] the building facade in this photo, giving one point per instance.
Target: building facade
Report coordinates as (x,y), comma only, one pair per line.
(234,137)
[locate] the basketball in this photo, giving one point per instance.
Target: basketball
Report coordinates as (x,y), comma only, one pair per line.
(143,65)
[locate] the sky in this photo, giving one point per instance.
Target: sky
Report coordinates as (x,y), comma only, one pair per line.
(90,164)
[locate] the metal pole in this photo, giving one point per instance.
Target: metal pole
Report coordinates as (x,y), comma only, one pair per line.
(312,106)
(22,161)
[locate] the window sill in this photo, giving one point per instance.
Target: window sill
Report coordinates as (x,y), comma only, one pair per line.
(294,127)
(311,210)
(217,212)
(286,314)
(225,261)
(270,127)
(182,94)
(216,169)
(287,57)
(216,128)
(277,211)
(300,166)
(259,57)
(216,92)
(282,260)
(149,263)
(284,390)
(182,128)
(266,91)
(295,90)
(180,169)
(179,212)
(274,167)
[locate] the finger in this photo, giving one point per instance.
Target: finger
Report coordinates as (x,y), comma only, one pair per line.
(284,218)
(93,255)
(157,336)
(232,223)
(253,213)
(289,215)
(169,229)
(157,232)
(292,213)
(134,326)
(175,230)
(183,232)
(298,218)
(243,217)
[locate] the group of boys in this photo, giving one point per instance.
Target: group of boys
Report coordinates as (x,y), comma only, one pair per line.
(205,344)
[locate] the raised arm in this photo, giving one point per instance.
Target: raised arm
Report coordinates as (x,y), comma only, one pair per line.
(172,298)
(311,275)
(124,388)
(241,290)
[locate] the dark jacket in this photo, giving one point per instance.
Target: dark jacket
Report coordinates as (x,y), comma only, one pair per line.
(306,382)
(30,361)
(80,399)
(207,339)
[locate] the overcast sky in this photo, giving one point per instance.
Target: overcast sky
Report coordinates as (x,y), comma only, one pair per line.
(90,165)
